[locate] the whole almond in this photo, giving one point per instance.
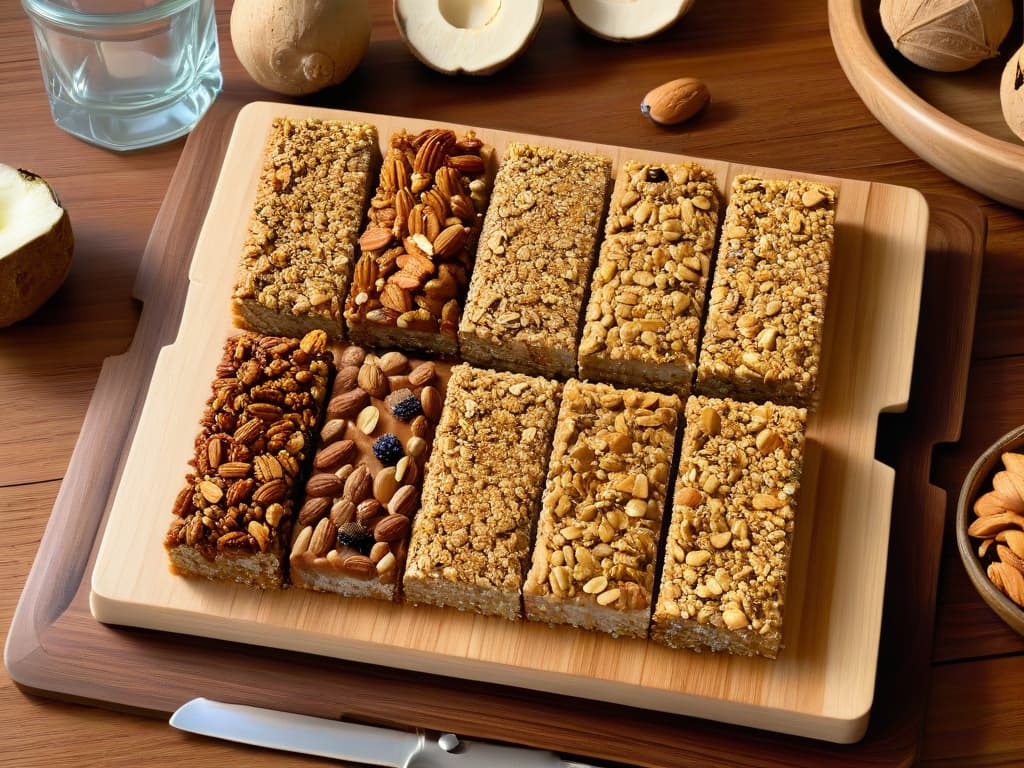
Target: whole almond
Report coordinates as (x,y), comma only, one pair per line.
(675,101)
(358,485)
(334,455)
(368,509)
(343,511)
(324,536)
(347,404)
(372,379)
(346,378)
(1014,462)
(332,430)
(403,502)
(359,566)
(314,508)
(374,238)
(391,528)
(324,484)
(392,362)
(989,504)
(1010,488)
(422,374)
(450,241)
(430,398)
(353,356)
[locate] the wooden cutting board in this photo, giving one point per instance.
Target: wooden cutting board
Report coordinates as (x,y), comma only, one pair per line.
(821,686)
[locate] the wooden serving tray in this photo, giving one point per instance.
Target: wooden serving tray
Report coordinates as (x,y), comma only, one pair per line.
(821,686)
(952,120)
(56,649)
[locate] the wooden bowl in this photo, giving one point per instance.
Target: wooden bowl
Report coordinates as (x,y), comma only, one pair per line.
(953,121)
(979,481)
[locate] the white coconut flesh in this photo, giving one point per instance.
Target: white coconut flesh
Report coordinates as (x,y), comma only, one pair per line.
(471,36)
(627,19)
(27,210)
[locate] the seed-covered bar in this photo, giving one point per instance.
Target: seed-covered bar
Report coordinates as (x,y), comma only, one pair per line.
(534,261)
(471,538)
(352,533)
(727,553)
(417,250)
(234,515)
(600,523)
(647,296)
(300,248)
(763,336)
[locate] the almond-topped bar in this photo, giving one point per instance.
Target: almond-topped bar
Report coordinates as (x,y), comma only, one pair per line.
(234,515)
(417,249)
(763,336)
(534,261)
(727,552)
(300,249)
(352,534)
(471,538)
(647,296)
(600,523)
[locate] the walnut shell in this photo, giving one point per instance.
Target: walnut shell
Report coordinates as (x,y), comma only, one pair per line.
(947,35)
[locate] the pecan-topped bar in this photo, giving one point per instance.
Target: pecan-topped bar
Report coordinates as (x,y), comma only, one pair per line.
(647,296)
(727,553)
(234,515)
(471,538)
(417,249)
(600,523)
(534,261)
(763,336)
(352,534)
(300,249)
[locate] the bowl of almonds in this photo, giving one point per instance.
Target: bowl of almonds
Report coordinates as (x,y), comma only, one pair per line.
(990,527)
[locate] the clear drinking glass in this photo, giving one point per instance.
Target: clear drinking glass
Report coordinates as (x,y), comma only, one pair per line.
(127,74)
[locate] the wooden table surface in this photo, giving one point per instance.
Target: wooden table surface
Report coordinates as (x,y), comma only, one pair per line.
(780,99)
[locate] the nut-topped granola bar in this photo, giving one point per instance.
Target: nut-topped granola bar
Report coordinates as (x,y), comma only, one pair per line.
(352,532)
(763,336)
(417,250)
(471,538)
(300,249)
(647,296)
(600,523)
(727,553)
(534,261)
(234,515)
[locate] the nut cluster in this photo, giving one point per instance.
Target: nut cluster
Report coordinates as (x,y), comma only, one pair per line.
(256,435)
(1000,526)
(607,479)
(365,486)
(424,220)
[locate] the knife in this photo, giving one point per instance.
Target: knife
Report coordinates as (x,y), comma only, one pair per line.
(348,741)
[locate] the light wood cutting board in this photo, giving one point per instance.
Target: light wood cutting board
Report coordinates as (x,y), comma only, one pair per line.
(821,686)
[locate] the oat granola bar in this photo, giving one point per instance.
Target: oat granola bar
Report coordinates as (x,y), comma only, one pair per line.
(534,261)
(647,296)
(471,538)
(417,249)
(234,515)
(600,522)
(352,532)
(727,552)
(300,249)
(762,339)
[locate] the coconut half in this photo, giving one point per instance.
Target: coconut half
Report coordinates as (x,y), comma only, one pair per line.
(475,37)
(35,244)
(621,20)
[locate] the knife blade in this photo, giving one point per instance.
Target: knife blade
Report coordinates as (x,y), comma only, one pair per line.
(366,744)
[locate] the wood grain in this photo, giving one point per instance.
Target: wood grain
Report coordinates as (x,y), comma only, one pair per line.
(779,99)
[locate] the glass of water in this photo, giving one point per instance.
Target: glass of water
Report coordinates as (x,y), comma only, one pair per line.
(127,74)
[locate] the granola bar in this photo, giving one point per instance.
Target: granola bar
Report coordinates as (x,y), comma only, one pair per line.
(763,336)
(353,530)
(534,261)
(727,554)
(647,296)
(234,515)
(417,250)
(600,522)
(471,538)
(298,255)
